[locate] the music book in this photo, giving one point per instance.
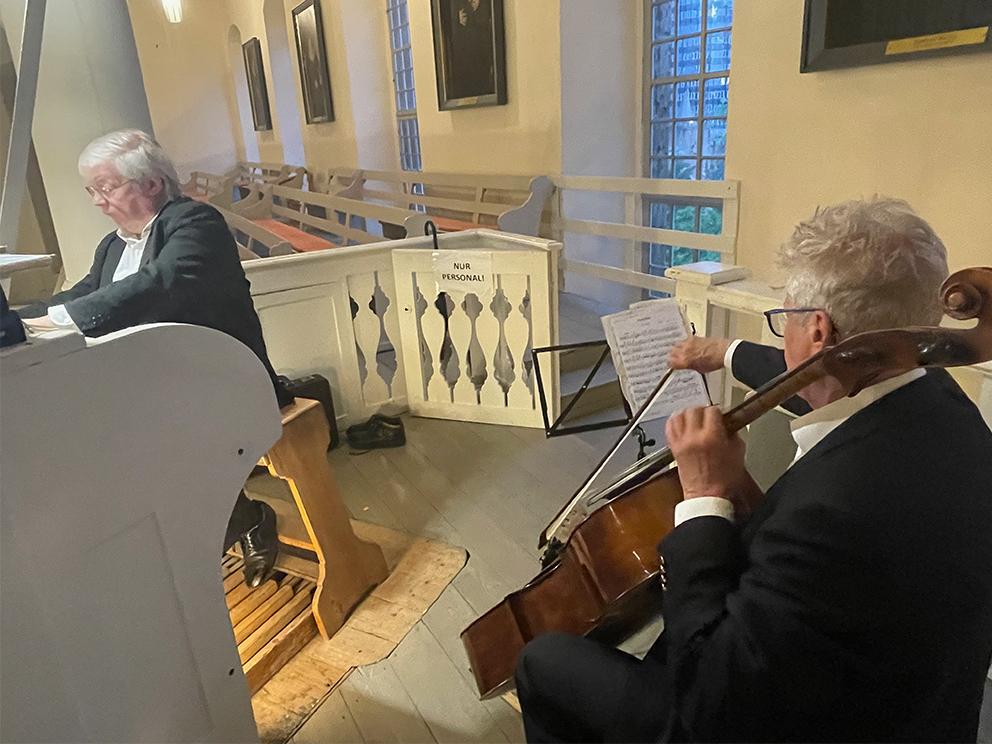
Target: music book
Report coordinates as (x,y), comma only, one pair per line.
(640,340)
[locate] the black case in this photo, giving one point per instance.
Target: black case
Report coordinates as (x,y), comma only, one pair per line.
(316,387)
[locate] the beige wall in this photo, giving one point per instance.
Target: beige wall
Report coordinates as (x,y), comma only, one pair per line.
(919,130)
(89,83)
(524,136)
(184,69)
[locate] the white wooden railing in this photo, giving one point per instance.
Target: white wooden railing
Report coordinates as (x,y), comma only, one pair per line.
(601,221)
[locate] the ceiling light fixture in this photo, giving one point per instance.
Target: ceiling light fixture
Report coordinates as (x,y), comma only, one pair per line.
(173,10)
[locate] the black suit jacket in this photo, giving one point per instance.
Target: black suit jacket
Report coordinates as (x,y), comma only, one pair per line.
(190,273)
(754,365)
(856,604)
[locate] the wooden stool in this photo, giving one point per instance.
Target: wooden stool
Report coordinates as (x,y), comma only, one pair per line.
(347,567)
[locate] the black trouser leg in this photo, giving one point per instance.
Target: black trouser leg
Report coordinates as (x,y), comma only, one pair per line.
(577,690)
(245,516)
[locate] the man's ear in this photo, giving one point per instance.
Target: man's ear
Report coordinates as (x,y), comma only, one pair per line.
(821,330)
(155,186)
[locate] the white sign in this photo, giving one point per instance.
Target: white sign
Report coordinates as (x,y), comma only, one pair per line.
(464,272)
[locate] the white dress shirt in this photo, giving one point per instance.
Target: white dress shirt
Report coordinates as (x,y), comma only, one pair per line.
(134,248)
(808,431)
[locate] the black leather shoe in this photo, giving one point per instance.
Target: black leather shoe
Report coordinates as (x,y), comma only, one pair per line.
(260,546)
(381,434)
(371,423)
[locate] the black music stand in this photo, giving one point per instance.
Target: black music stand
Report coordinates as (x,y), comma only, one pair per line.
(556,428)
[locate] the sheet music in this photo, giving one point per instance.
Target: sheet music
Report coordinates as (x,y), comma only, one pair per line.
(640,340)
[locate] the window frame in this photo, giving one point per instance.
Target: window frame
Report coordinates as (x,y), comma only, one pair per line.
(411,156)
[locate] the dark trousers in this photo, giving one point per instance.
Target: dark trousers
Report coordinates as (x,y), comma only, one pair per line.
(578,690)
(246,515)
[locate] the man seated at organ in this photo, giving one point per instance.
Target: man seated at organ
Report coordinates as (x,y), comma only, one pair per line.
(172,259)
(852,601)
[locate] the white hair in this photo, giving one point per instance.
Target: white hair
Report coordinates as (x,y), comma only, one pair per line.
(870,264)
(136,155)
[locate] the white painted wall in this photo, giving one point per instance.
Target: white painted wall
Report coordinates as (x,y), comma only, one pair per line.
(600,112)
(89,83)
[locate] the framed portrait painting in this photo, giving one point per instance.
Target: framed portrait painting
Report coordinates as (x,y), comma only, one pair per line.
(258,94)
(469,53)
(314,77)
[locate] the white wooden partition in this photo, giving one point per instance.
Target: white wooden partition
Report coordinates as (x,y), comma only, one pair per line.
(626,201)
(468,354)
(346,314)
(334,313)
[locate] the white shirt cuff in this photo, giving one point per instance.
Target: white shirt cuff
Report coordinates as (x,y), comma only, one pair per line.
(60,317)
(704,506)
(728,357)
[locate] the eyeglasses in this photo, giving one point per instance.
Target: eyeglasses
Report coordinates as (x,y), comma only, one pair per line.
(777,318)
(106,189)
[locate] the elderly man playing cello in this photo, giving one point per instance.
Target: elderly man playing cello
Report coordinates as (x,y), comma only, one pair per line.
(853,600)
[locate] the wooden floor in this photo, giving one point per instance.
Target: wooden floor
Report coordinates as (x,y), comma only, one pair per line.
(489,489)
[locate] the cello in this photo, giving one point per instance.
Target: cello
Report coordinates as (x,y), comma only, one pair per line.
(600,565)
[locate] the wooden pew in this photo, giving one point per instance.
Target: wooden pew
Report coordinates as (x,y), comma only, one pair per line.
(277,174)
(215,188)
(310,221)
(253,240)
(457,201)
(343,182)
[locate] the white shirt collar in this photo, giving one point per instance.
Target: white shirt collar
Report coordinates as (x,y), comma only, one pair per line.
(811,429)
(129,239)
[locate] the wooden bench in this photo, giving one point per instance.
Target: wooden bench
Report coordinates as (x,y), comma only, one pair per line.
(277,174)
(457,201)
(328,568)
(343,182)
(310,221)
(215,188)
(253,239)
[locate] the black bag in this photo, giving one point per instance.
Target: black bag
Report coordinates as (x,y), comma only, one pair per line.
(316,387)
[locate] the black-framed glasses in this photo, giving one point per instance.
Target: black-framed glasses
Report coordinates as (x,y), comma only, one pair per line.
(777,318)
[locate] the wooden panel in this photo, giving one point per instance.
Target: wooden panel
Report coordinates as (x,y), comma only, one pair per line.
(248,605)
(257,617)
(260,668)
(275,623)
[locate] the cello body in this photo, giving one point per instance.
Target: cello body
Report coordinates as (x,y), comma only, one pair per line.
(605,583)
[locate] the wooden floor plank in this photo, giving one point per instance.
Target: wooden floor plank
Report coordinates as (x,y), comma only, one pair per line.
(448,705)
(360,498)
(381,708)
(484,537)
(417,515)
(331,723)
(445,620)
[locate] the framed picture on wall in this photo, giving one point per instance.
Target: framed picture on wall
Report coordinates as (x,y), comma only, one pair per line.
(314,77)
(469,53)
(258,94)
